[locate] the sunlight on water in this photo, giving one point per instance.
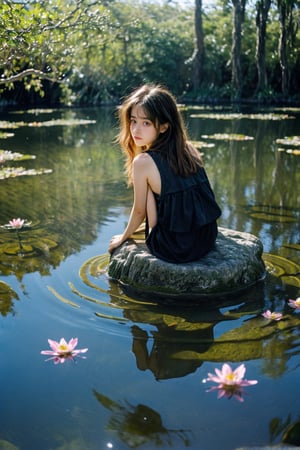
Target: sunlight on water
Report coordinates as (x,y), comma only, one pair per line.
(140,385)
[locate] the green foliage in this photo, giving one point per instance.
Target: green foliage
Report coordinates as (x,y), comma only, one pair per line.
(37,39)
(143,42)
(92,52)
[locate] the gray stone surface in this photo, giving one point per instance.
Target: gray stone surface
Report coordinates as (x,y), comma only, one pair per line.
(235,264)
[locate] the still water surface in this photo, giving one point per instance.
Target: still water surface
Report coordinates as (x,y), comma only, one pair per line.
(141,384)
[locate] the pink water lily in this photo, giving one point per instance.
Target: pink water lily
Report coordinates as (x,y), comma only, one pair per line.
(294,303)
(230,382)
(63,350)
(272,315)
(17,224)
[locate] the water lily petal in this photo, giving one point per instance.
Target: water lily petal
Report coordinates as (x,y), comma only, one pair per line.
(63,350)
(72,343)
(240,372)
(294,303)
(82,350)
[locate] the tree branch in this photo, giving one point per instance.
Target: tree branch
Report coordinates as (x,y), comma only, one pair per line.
(26,73)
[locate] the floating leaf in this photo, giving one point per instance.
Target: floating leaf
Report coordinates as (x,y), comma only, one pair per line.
(272,217)
(5,124)
(281,267)
(238,116)
(61,122)
(271,213)
(245,342)
(47,123)
(6,155)
(106,316)
(293,152)
(13,172)
(16,249)
(35,111)
(200,144)
(6,135)
(91,299)
(228,137)
(290,151)
(293,246)
(291,140)
(181,324)
(61,298)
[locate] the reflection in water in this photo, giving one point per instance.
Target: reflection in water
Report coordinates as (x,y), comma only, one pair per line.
(288,430)
(184,337)
(165,344)
(75,206)
(140,424)
(7,296)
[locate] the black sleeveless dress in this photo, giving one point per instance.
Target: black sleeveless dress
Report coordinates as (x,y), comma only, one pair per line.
(187,211)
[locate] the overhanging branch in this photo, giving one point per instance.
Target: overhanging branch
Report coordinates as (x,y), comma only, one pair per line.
(26,73)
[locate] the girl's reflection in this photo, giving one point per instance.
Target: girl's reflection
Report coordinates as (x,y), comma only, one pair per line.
(161,359)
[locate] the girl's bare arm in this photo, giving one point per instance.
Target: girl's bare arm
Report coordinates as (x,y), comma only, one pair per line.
(138,211)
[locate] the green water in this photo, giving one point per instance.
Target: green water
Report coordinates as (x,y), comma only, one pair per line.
(141,384)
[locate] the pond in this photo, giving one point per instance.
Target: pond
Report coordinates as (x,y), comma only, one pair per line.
(141,382)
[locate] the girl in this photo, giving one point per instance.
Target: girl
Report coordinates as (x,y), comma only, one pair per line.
(171,189)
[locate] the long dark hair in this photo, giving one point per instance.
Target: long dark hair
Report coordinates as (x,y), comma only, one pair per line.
(161,108)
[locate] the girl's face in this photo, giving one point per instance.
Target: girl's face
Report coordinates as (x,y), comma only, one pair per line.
(143,130)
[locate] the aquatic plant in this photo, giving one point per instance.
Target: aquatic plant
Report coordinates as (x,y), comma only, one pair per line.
(272,315)
(294,303)
(63,350)
(16,224)
(230,382)
(228,137)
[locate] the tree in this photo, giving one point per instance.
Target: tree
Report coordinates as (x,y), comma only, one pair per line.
(198,57)
(262,10)
(36,38)
(236,72)
(288,30)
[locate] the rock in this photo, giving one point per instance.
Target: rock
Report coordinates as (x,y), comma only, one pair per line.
(233,265)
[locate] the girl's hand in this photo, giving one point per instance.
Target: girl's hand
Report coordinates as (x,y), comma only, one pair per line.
(115,242)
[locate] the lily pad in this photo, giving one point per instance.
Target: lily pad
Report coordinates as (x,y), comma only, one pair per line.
(238,116)
(290,141)
(6,155)
(271,213)
(4,135)
(61,122)
(15,249)
(35,111)
(200,144)
(249,341)
(13,172)
(5,124)
(291,151)
(228,137)
(281,267)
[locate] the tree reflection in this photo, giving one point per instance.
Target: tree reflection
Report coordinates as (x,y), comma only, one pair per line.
(7,296)
(172,340)
(139,424)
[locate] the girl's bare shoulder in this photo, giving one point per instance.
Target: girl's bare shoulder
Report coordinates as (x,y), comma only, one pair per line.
(142,160)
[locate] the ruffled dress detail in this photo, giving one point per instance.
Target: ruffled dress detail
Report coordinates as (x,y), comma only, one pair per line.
(187,211)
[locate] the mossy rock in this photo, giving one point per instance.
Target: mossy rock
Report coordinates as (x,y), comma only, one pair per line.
(233,265)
